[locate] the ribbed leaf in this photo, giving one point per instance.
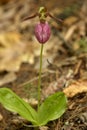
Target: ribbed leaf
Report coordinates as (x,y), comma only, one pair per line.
(52,108)
(15,104)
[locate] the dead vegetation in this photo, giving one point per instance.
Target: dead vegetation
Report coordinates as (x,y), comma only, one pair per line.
(64,62)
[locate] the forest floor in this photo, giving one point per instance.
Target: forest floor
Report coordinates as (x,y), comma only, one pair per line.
(64,60)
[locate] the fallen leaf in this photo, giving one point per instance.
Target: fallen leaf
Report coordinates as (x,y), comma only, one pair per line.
(12,49)
(1,117)
(75,88)
(44,128)
(9,77)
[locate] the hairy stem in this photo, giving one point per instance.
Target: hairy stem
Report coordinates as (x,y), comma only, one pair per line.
(39,80)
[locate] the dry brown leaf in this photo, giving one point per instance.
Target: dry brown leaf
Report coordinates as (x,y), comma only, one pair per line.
(44,128)
(70,20)
(1,117)
(75,88)
(9,77)
(12,49)
(70,32)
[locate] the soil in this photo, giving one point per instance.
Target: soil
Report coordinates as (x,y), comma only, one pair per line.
(56,76)
(75,117)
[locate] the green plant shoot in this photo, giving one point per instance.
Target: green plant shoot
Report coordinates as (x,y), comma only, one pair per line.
(55,105)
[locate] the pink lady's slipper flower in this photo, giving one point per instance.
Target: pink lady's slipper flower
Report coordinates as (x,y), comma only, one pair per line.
(42,32)
(42,29)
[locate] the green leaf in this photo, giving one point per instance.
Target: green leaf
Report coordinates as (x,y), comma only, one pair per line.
(52,108)
(15,104)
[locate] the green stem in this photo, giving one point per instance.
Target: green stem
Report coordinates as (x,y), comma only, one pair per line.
(39,80)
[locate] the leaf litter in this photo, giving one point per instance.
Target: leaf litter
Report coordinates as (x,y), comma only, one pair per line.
(65,64)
